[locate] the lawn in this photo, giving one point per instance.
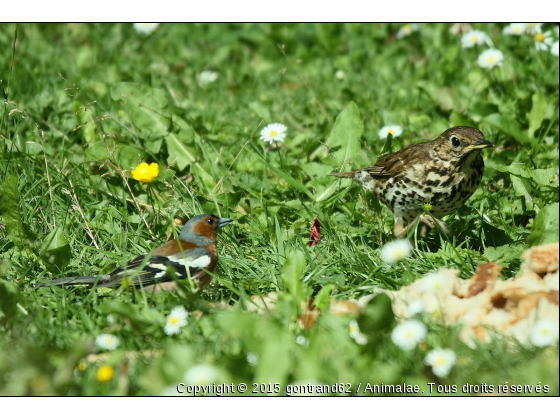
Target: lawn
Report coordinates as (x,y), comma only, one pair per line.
(84,104)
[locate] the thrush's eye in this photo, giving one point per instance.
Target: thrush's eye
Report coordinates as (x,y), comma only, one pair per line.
(455,141)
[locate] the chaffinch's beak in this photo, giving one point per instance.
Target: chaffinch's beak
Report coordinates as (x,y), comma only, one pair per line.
(480,144)
(223,221)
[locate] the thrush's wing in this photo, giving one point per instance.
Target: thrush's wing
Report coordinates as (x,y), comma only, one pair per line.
(147,270)
(400,161)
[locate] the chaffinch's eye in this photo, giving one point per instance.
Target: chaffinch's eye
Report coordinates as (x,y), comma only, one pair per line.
(455,142)
(210,221)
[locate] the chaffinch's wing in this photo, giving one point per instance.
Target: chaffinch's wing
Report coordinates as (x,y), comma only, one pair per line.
(147,270)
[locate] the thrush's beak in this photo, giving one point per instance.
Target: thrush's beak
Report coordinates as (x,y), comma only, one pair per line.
(223,221)
(480,144)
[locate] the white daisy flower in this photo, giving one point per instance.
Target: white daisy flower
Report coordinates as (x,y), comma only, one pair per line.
(415,307)
(252,358)
(533,28)
(543,41)
(394,130)
(490,58)
(356,334)
(145,28)
(201,375)
(408,334)
(107,341)
(111,319)
(176,320)
(475,37)
(515,29)
(544,333)
(340,74)
(441,361)
(206,77)
(432,283)
(395,251)
(274,132)
(554,49)
(302,341)
(407,29)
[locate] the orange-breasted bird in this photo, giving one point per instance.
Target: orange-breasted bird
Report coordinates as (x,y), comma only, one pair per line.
(194,254)
(440,174)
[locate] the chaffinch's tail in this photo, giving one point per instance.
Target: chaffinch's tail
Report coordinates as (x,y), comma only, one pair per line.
(343,174)
(79,280)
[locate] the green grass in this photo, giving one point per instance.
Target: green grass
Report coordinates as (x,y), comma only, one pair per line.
(106,98)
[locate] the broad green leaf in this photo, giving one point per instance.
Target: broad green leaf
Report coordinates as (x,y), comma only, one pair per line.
(503,254)
(537,114)
(55,251)
(292,273)
(84,119)
(543,177)
(129,156)
(179,147)
(508,126)
(144,107)
(546,226)
(289,179)
(388,146)
(446,98)
(18,232)
(131,92)
(345,134)
(323,298)
(523,189)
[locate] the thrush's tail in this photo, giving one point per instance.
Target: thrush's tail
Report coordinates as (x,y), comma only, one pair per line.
(343,174)
(76,281)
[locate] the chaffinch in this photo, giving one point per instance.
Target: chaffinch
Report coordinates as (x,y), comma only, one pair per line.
(195,251)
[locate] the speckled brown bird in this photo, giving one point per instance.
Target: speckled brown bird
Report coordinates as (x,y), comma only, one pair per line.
(442,173)
(193,255)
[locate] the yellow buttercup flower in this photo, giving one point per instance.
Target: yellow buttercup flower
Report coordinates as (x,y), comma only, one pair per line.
(145,173)
(105,373)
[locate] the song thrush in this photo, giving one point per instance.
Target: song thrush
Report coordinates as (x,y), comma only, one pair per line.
(439,175)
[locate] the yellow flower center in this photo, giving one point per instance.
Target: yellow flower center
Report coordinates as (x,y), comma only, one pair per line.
(391,132)
(273,133)
(105,373)
(409,334)
(439,362)
(82,366)
(517,30)
(399,254)
(491,59)
(539,37)
(173,320)
(545,331)
(109,341)
(407,29)
(474,38)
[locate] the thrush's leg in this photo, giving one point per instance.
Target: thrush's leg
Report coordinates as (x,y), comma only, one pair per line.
(400,231)
(433,223)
